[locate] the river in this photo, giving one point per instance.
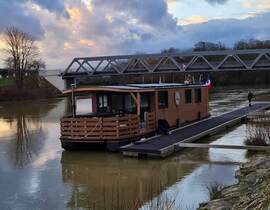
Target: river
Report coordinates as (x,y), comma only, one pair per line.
(35,172)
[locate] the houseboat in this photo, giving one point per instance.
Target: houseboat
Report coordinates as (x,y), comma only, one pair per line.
(123,114)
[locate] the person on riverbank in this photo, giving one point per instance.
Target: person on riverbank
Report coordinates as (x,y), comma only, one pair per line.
(250,96)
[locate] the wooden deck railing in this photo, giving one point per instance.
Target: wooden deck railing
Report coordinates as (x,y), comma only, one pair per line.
(151,121)
(105,128)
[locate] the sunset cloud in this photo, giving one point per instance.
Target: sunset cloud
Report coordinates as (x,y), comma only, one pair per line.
(260,5)
(192,20)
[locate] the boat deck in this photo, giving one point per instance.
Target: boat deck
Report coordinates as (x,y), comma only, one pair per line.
(165,145)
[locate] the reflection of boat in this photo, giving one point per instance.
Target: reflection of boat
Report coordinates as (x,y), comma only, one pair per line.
(121,114)
(105,180)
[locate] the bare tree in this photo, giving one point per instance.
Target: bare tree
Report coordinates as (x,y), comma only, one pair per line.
(22,54)
(207,46)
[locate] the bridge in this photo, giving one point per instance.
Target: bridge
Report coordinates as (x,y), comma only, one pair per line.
(227,60)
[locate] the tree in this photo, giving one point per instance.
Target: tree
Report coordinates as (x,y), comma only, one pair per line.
(22,54)
(171,50)
(209,46)
(252,44)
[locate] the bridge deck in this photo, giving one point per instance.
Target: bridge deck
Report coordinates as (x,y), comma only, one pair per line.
(162,146)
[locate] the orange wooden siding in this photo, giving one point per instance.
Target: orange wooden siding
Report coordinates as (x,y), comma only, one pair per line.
(185,112)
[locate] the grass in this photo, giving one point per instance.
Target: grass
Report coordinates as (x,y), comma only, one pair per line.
(6,82)
(258,132)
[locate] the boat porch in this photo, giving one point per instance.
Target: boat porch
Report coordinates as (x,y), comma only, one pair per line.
(94,128)
(118,114)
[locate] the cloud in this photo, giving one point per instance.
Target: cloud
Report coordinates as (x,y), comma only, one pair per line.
(192,20)
(14,14)
(151,12)
(259,5)
(231,30)
(56,6)
(103,28)
(213,2)
(18,13)
(227,31)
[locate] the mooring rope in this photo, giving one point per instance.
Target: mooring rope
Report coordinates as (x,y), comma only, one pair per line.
(87,134)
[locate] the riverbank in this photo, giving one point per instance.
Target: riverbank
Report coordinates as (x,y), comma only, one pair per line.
(252,190)
(35,87)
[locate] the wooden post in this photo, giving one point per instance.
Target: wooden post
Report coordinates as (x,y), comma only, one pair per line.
(138,104)
(137,100)
(73,101)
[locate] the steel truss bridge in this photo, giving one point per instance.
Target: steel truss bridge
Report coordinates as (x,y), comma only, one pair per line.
(228,60)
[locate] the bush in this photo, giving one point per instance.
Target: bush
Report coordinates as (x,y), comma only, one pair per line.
(258,131)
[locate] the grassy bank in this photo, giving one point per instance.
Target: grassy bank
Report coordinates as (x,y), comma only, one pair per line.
(6,82)
(252,192)
(34,87)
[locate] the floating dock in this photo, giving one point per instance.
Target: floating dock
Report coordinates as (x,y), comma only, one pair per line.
(162,146)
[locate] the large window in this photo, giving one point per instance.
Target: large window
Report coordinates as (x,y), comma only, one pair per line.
(130,106)
(188,96)
(198,95)
(117,103)
(162,99)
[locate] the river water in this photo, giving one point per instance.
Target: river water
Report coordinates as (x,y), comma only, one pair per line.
(35,173)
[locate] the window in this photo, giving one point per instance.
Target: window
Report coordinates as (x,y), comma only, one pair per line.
(145,104)
(117,103)
(83,105)
(188,96)
(198,95)
(162,99)
(130,106)
(103,103)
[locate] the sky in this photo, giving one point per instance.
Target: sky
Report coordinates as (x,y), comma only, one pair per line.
(65,29)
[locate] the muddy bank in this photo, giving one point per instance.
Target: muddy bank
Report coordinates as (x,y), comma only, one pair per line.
(35,87)
(252,190)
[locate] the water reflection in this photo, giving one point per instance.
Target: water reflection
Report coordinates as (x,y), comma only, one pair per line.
(23,126)
(110,181)
(27,142)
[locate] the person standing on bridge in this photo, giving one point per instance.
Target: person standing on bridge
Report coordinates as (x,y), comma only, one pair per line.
(250,96)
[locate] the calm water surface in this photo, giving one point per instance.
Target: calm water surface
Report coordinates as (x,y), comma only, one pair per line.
(35,173)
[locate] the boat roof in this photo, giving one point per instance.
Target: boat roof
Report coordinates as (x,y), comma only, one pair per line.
(150,87)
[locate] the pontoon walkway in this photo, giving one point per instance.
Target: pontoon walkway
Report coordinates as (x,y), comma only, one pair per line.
(165,145)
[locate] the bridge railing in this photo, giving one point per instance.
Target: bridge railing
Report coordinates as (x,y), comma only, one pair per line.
(154,63)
